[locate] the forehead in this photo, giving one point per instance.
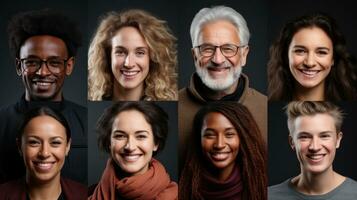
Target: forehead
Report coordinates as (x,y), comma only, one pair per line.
(218,32)
(216,120)
(128,37)
(131,120)
(44,127)
(311,37)
(315,123)
(43,46)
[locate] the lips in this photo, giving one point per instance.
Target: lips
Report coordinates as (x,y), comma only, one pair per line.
(219,156)
(43,166)
(43,84)
(130,157)
(309,73)
(129,74)
(315,157)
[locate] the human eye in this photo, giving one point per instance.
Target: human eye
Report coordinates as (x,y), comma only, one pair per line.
(303,137)
(322,52)
(325,135)
(141,136)
(209,135)
(120,52)
(207,48)
(56,143)
(299,51)
(32,62)
(119,136)
(229,48)
(55,62)
(230,134)
(140,53)
(33,142)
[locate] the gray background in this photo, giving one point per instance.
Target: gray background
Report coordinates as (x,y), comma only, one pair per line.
(97,159)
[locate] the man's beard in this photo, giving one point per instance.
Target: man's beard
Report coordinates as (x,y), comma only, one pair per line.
(221,83)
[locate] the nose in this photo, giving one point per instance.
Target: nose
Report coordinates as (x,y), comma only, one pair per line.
(218,57)
(310,60)
(43,70)
(220,142)
(129,61)
(314,144)
(130,144)
(44,151)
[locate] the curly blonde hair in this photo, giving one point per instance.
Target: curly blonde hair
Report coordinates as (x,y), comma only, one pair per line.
(161,82)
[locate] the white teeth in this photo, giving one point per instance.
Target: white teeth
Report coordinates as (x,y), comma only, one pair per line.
(310,73)
(44,165)
(130,73)
(315,156)
(131,157)
(43,83)
(220,155)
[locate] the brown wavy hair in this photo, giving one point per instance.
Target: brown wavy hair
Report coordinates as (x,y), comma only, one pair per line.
(252,156)
(342,79)
(161,82)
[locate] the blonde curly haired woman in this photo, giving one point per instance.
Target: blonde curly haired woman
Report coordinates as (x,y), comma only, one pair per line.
(132,57)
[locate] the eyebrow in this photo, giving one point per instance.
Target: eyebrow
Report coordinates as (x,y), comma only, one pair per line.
(39,138)
(122,47)
(226,129)
(136,132)
(308,133)
(319,48)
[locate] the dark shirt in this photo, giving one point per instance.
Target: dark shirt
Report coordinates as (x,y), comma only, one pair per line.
(61,197)
(12,164)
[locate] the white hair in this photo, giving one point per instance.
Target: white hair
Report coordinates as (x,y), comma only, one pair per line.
(207,15)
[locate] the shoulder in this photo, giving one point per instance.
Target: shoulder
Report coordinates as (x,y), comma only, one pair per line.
(73,189)
(14,190)
(349,187)
(74,106)
(280,191)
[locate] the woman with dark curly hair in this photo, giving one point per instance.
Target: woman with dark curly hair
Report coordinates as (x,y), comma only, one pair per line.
(227,159)
(132,133)
(132,57)
(310,61)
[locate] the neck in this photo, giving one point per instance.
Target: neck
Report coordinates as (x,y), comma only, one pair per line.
(310,94)
(49,190)
(56,98)
(317,184)
(122,94)
(223,174)
(219,94)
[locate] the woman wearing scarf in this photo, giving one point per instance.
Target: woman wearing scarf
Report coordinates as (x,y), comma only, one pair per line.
(132,133)
(227,159)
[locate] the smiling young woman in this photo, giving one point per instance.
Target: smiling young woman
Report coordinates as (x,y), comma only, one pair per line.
(227,156)
(44,142)
(132,133)
(310,61)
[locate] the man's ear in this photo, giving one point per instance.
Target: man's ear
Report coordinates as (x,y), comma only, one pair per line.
(194,54)
(69,66)
(18,67)
(244,55)
(339,138)
(291,142)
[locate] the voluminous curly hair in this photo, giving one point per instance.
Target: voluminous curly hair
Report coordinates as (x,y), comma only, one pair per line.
(43,22)
(342,79)
(251,159)
(161,82)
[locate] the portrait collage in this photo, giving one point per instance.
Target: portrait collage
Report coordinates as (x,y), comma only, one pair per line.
(178,100)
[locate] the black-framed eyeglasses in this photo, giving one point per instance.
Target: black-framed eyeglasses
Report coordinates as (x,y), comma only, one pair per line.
(54,65)
(228,50)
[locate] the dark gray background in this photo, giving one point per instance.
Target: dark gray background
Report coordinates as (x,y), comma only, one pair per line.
(75,87)
(283,162)
(97,159)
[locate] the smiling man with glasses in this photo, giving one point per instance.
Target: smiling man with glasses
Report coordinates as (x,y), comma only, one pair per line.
(220,39)
(44,44)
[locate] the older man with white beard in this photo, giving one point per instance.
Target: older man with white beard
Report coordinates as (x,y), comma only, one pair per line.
(220,39)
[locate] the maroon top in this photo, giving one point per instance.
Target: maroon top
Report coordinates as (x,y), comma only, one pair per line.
(230,189)
(16,190)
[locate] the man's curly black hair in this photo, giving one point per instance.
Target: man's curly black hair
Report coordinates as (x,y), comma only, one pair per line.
(43,22)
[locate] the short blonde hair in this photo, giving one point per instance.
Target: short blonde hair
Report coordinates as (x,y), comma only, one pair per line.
(296,109)
(161,82)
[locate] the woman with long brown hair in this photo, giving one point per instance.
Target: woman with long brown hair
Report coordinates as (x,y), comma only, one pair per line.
(227,159)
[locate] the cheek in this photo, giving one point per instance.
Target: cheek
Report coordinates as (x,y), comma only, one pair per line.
(117,62)
(206,145)
(295,60)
